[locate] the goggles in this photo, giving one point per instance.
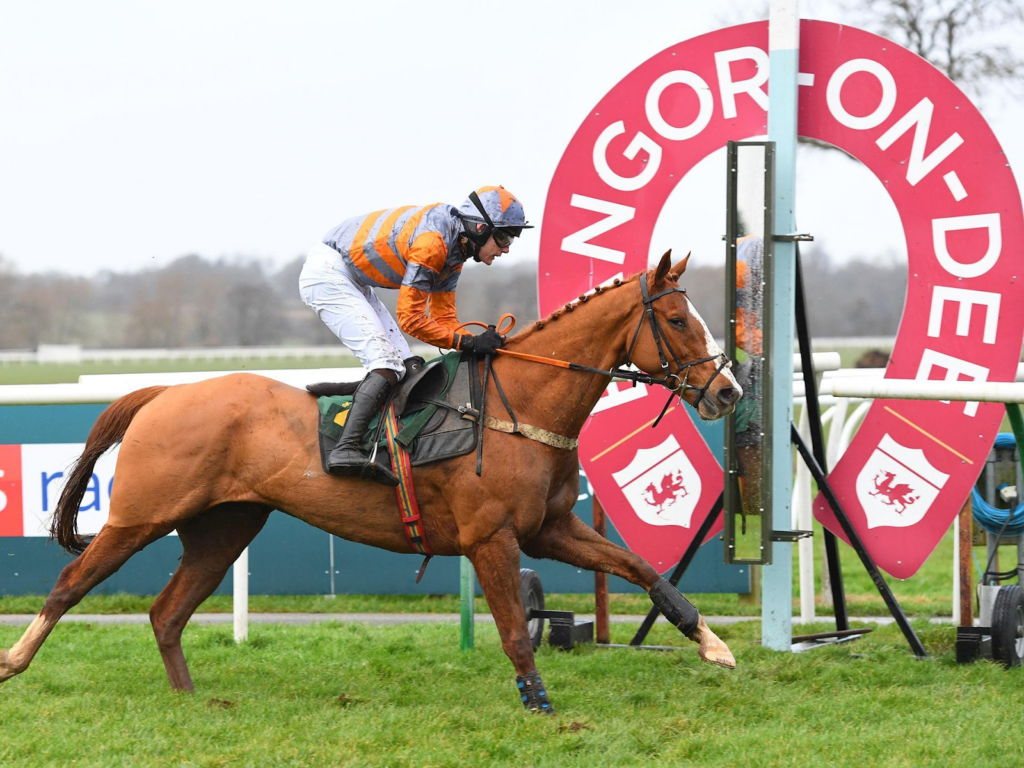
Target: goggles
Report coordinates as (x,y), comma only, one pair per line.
(503,237)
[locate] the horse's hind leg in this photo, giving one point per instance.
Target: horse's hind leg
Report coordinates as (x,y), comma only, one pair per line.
(496,561)
(105,554)
(570,540)
(211,542)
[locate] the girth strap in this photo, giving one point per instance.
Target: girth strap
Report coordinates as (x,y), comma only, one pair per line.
(553,439)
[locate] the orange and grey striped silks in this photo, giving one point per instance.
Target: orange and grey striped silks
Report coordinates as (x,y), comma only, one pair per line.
(415,250)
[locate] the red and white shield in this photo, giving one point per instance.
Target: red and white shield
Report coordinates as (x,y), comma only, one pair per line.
(661,485)
(897,485)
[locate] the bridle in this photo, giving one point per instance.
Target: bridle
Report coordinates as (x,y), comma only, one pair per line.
(681,385)
(675,381)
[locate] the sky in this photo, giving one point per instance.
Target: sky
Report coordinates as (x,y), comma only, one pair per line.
(135,133)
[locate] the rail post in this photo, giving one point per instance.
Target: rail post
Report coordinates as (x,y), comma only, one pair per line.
(468,591)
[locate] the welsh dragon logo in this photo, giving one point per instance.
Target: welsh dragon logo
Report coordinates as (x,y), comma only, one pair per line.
(671,488)
(896,495)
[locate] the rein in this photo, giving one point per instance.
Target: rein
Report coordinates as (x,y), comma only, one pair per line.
(682,385)
(672,381)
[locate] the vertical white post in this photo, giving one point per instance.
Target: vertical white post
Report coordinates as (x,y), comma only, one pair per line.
(240,577)
(783,63)
(834,452)
(802,520)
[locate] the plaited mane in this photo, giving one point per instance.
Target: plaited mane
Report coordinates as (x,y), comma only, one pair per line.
(569,307)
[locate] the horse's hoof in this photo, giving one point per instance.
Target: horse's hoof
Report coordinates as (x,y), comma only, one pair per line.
(720,655)
(712,649)
(533,694)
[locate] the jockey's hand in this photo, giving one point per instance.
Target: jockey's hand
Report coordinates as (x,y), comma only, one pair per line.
(484,344)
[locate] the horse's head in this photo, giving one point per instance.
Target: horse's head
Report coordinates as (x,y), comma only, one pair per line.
(673,340)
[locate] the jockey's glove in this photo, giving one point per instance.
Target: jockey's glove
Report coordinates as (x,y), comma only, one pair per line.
(484,344)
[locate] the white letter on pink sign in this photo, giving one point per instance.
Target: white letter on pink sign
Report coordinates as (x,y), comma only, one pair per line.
(835,87)
(752,86)
(954,366)
(616,394)
(640,142)
(966,299)
(653,107)
(615,215)
(920,119)
(989,221)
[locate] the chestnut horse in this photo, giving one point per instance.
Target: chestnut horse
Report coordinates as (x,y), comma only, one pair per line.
(213,459)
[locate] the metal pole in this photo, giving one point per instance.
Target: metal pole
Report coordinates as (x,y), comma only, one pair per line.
(858,546)
(957,558)
(468,590)
(601,580)
(240,600)
(966,596)
(330,537)
(813,411)
(783,63)
(680,569)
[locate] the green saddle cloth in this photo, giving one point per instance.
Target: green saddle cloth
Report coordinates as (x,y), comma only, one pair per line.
(334,411)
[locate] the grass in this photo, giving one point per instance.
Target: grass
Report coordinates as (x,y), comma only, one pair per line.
(351,694)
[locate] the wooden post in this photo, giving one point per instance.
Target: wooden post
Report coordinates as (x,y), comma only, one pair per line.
(966,565)
(601,580)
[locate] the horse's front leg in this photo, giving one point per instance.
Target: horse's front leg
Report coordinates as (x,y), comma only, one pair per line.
(496,560)
(568,539)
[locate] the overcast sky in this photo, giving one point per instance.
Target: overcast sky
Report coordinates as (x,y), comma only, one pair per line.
(134,133)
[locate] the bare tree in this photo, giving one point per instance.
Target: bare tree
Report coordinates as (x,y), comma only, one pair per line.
(956,36)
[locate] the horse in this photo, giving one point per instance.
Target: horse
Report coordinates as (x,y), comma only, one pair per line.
(212,459)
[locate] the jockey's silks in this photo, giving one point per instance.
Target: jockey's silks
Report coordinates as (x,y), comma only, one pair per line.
(415,250)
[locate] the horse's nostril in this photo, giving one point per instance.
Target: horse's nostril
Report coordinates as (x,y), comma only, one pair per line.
(728,395)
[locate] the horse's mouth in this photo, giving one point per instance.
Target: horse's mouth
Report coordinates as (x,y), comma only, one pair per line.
(708,411)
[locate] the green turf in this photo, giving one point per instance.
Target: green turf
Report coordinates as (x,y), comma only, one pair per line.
(405,696)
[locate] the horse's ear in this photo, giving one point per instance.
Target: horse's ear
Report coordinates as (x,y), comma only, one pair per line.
(663,267)
(677,271)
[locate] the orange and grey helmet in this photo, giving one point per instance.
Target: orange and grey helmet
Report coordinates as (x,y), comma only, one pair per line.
(493,210)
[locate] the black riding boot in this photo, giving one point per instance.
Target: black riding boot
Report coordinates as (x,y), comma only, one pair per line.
(347,457)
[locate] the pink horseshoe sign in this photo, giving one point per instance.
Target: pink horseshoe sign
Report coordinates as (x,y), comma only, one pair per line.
(912,464)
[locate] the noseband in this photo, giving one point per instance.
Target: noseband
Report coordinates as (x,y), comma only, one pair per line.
(671,381)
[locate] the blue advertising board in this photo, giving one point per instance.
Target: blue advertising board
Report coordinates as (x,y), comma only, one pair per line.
(289,556)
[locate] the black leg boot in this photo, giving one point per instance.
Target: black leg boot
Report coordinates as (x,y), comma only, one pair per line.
(348,458)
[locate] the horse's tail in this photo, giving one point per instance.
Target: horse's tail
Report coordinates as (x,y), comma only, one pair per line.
(108,430)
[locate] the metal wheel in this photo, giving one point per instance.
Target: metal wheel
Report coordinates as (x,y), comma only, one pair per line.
(533,600)
(1008,626)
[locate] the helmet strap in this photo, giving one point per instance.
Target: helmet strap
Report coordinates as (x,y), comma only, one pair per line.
(470,248)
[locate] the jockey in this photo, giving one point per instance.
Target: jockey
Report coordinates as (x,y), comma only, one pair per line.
(419,252)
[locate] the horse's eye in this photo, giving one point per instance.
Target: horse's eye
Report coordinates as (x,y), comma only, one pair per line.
(678,322)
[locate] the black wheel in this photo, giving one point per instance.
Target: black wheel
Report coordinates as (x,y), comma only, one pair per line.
(1008,626)
(533,600)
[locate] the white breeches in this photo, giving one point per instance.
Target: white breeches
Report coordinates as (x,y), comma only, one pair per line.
(352,311)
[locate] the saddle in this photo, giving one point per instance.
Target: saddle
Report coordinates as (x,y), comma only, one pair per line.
(436,404)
